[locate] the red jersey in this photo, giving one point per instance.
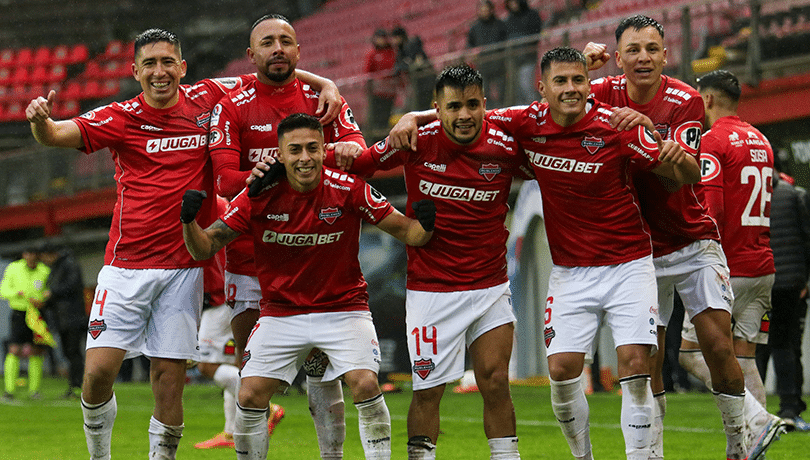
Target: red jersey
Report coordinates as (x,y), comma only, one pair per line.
(591,209)
(243,132)
(737,165)
(470,186)
(213,274)
(309,243)
(158,155)
(677,218)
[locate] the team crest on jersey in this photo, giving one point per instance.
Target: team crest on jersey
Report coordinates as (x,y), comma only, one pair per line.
(347,120)
(489,171)
(548,334)
(215,137)
(593,144)
(709,167)
(96,327)
(375,199)
(203,119)
(662,129)
(230,348)
(423,367)
(329,215)
(245,358)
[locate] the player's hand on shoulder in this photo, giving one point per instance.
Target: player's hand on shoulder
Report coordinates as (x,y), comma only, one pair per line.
(425,211)
(404,134)
(596,55)
(39,109)
(329,104)
(345,153)
(625,118)
(192,202)
(264,174)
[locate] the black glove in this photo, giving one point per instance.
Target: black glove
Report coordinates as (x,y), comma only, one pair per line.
(192,202)
(276,171)
(425,211)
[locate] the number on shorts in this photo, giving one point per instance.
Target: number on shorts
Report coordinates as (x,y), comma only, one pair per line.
(100,302)
(231,294)
(547,317)
(761,184)
(425,338)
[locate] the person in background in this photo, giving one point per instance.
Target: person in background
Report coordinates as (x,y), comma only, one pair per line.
(382,84)
(23,286)
(414,64)
(520,22)
(487,29)
(790,242)
(65,300)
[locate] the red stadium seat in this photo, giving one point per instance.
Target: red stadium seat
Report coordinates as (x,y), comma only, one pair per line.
(40,74)
(4,93)
(57,73)
(78,53)
(66,109)
(92,90)
(109,88)
(24,58)
(73,90)
(42,56)
(117,49)
(15,111)
(5,76)
(93,71)
(21,75)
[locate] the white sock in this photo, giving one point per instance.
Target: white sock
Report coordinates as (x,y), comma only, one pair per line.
(695,364)
(327,410)
(731,410)
(504,448)
(572,412)
(637,418)
(753,410)
(420,448)
(659,411)
(227,378)
(229,408)
(98,426)
(163,440)
(250,436)
(753,382)
(375,427)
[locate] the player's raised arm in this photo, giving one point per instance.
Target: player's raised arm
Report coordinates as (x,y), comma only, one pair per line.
(413,232)
(596,55)
(202,244)
(48,132)
(676,163)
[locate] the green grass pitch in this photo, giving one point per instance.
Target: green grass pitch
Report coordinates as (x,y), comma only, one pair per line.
(51,429)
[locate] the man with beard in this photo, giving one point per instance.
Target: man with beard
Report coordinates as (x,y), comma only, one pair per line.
(243,132)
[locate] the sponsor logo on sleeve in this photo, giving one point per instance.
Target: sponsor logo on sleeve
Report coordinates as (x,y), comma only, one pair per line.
(688,136)
(709,167)
(375,199)
(215,114)
(347,120)
(228,82)
(215,137)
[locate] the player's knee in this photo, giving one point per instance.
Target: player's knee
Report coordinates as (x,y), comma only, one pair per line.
(429,396)
(494,383)
(365,387)
(208,369)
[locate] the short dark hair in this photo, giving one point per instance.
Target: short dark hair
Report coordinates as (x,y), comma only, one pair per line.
(267,17)
(156,35)
(458,76)
(638,22)
(561,54)
(296,121)
(723,81)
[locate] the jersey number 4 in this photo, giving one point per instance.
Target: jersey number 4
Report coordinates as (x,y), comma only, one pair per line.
(762,181)
(427,339)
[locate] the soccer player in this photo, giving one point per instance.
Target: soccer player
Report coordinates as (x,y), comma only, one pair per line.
(149,291)
(242,133)
(599,242)
(738,172)
(23,286)
(457,289)
(217,348)
(296,224)
(686,249)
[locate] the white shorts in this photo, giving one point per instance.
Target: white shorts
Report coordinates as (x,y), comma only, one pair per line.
(154,312)
(699,273)
(579,298)
(278,344)
(242,292)
(216,338)
(441,325)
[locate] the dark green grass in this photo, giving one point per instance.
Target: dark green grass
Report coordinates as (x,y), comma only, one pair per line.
(51,429)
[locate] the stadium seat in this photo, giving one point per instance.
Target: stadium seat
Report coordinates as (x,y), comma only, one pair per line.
(7,57)
(5,76)
(42,56)
(118,50)
(78,53)
(91,90)
(73,90)
(66,109)
(60,54)
(24,57)
(20,75)
(93,71)
(57,73)
(15,111)
(40,74)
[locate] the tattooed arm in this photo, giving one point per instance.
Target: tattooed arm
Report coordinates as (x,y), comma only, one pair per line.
(203,244)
